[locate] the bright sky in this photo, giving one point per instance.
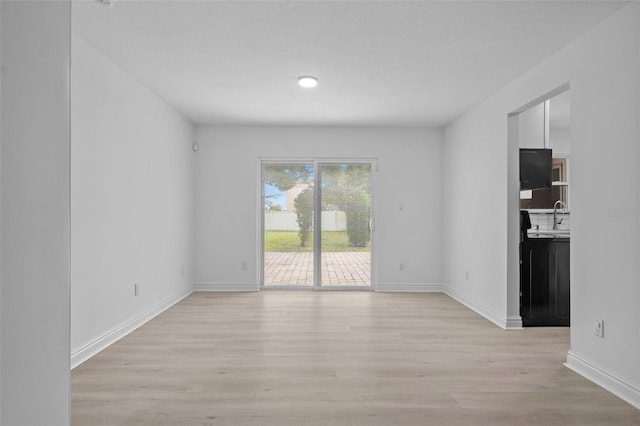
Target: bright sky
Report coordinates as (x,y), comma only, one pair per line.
(275,196)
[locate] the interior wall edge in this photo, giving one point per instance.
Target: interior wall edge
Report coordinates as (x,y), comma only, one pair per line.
(35,243)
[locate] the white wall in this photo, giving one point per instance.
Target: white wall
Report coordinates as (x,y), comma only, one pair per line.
(35,213)
(410,172)
(132,200)
(532,127)
(603,68)
(560,140)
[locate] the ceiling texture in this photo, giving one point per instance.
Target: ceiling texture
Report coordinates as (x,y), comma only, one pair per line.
(378,63)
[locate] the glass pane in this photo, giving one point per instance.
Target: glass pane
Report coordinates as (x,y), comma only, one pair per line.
(345,224)
(288,224)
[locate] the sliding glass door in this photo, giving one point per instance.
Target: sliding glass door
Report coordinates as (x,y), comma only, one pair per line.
(316,224)
(345,227)
(287,226)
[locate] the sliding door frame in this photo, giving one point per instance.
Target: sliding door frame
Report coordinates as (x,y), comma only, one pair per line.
(317,227)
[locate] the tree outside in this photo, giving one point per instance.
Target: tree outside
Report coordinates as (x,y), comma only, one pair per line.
(348,188)
(304,213)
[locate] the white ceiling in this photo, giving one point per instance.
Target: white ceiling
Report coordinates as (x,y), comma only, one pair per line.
(399,63)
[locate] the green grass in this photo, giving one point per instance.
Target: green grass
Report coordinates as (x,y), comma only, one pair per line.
(288,241)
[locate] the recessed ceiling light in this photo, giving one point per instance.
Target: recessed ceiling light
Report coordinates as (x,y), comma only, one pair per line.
(308,81)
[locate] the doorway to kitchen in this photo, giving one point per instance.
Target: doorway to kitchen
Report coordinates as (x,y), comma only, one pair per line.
(317,224)
(539,211)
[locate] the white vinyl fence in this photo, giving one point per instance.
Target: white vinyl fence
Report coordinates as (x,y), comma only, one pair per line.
(286,221)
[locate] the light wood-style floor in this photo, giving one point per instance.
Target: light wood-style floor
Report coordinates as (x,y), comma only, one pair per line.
(303,358)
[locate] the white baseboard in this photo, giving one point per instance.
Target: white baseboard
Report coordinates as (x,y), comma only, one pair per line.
(421,287)
(600,376)
(507,323)
(86,351)
(513,323)
(226,287)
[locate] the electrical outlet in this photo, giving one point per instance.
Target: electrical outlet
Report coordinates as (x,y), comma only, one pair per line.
(401,267)
(598,328)
(136,289)
(244,266)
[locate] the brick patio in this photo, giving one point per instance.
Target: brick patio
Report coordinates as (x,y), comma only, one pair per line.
(338,268)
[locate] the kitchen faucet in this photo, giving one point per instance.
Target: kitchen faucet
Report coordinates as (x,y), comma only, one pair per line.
(555,210)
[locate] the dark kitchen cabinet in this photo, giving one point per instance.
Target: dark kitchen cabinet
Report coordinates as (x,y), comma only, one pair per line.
(535,168)
(544,282)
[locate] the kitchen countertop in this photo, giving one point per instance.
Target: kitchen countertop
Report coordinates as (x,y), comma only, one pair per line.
(547,239)
(548,234)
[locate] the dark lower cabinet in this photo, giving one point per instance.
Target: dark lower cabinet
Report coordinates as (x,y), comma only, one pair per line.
(544,282)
